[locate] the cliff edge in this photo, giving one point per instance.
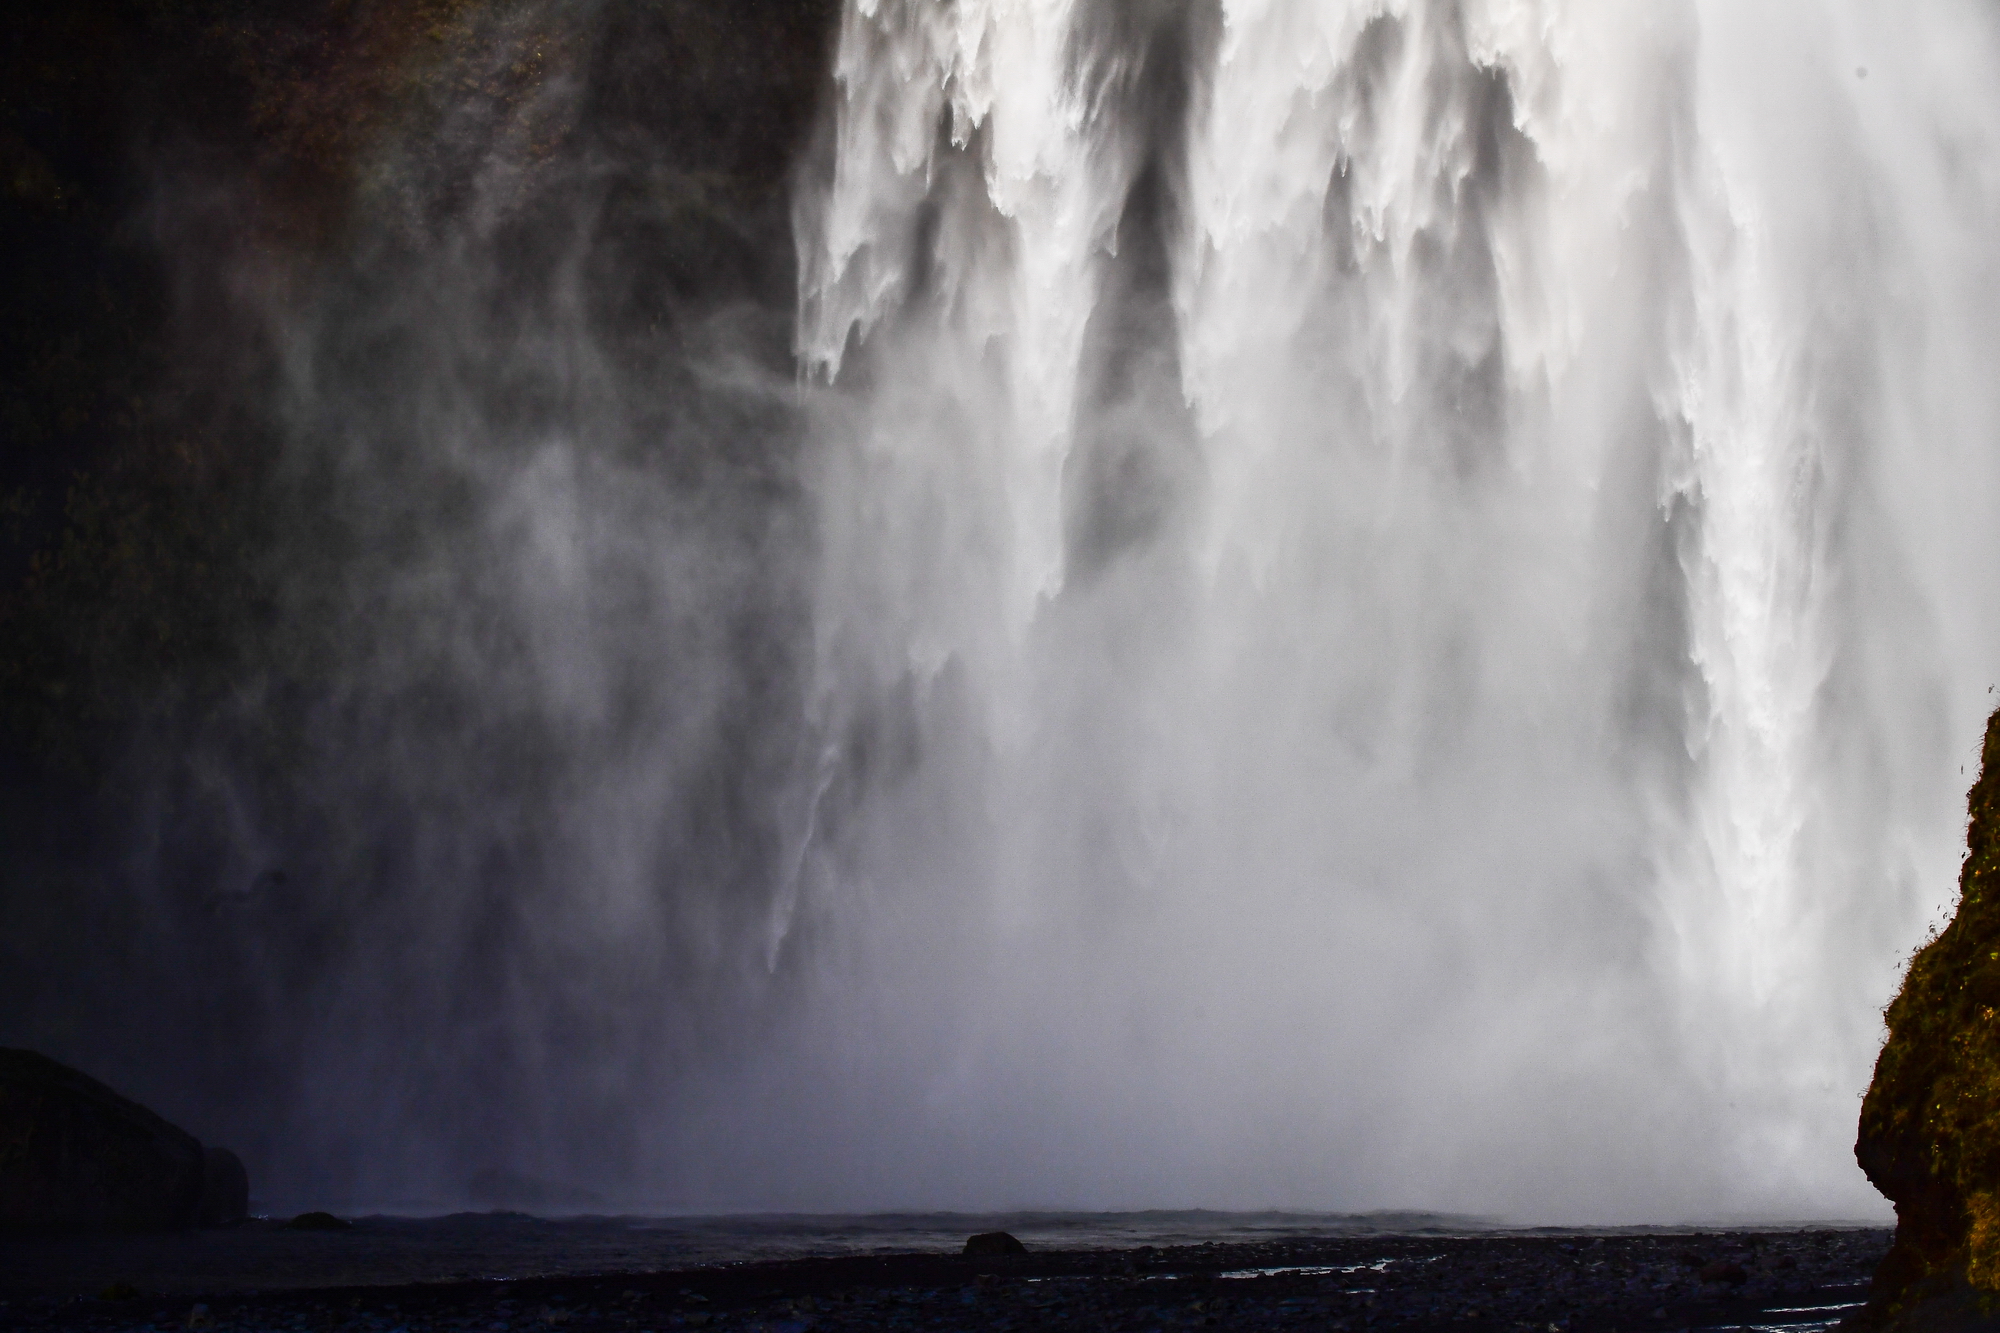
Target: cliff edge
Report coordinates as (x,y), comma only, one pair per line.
(76,1156)
(1930,1125)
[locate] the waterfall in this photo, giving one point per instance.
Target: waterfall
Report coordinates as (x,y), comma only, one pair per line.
(1399,597)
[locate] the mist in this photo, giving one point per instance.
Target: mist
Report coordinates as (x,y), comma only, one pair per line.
(1239,603)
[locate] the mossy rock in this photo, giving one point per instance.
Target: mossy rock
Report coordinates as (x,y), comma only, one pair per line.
(1930,1125)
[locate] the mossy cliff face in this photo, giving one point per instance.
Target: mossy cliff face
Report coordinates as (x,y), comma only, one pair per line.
(1930,1126)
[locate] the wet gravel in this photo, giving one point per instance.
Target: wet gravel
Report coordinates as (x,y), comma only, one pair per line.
(1796,1281)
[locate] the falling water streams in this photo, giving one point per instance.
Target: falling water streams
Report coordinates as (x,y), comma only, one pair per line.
(1401,590)
(1345,605)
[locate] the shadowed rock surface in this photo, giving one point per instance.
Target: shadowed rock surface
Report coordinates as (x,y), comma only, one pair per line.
(76,1156)
(225,1188)
(1930,1125)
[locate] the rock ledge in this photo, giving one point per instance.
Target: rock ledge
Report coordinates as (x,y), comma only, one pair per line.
(1930,1125)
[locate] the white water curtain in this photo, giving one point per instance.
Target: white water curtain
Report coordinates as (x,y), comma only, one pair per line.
(1402,591)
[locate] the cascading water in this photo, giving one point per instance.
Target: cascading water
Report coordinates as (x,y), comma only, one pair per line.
(1400,589)
(1355,604)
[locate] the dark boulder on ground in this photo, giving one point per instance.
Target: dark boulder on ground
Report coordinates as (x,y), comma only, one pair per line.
(318,1222)
(988,1243)
(225,1188)
(76,1156)
(1930,1125)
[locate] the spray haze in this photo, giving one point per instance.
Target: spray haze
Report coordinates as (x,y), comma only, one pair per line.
(1232,603)
(1405,497)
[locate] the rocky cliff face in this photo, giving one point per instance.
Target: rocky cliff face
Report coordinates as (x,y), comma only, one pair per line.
(76,1156)
(1930,1126)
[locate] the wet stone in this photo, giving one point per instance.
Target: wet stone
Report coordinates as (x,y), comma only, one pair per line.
(1477,1284)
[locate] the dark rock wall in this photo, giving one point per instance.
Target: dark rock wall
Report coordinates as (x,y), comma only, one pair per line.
(76,1156)
(1930,1125)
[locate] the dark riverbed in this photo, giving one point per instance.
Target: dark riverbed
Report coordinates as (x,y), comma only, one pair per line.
(600,1276)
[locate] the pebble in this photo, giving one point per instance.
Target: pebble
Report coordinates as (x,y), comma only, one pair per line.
(1493,1283)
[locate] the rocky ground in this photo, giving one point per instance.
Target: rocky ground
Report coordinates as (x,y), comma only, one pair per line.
(1507,1283)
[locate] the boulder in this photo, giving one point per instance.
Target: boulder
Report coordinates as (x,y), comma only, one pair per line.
(225,1188)
(1929,1137)
(76,1156)
(990,1243)
(318,1222)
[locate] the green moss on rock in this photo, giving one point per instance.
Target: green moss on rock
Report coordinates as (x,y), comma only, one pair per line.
(1930,1125)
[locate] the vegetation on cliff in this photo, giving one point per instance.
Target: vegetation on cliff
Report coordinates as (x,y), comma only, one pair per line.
(1930,1125)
